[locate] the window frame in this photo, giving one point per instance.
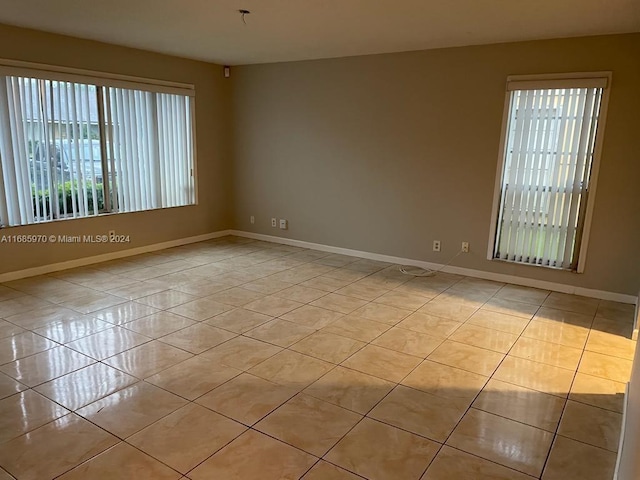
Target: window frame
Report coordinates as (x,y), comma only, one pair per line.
(19,68)
(542,81)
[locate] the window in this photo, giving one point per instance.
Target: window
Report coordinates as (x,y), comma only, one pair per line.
(75,148)
(551,137)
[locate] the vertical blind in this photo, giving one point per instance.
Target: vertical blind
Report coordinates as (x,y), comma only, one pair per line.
(549,151)
(70,149)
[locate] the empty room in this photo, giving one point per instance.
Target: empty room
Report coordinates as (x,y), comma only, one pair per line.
(319,240)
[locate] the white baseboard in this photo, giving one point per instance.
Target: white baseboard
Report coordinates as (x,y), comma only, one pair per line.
(498,277)
(81,262)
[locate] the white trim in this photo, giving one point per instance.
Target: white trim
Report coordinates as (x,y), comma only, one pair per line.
(55,72)
(469,272)
(593,178)
(498,277)
(81,262)
(622,430)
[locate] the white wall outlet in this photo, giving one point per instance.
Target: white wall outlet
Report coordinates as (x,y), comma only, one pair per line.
(274,222)
(284,224)
(465,247)
(253,219)
(436,245)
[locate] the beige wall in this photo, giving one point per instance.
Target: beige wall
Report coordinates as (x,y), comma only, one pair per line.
(386,153)
(213,211)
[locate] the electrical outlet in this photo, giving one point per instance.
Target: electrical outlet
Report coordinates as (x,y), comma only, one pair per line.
(465,247)
(253,219)
(274,222)
(436,245)
(284,224)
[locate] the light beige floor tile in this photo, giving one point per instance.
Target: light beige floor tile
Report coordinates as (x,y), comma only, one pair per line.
(22,345)
(350,389)
(328,347)
(517,293)
(599,392)
(122,461)
(467,298)
(313,317)
(84,386)
(22,304)
(521,404)
(43,316)
(622,328)
(131,409)
(197,338)
(193,377)
(166,299)
(591,425)
(241,352)
(611,344)
(554,315)
(382,313)
(8,386)
(201,309)
(357,328)
(445,381)
(91,301)
(548,353)
(407,341)
(486,435)
(267,286)
(572,303)
(309,424)
(54,448)
(147,359)
(401,299)
(301,293)
(255,455)
(327,284)
(7,293)
(534,375)
(499,321)
(383,363)
(363,290)
(280,332)
(107,343)
(451,464)
(8,329)
(238,320)
(571,460)
(430,324)
(236,296)
(325,471)
(622,312)
(467,357)
(69,330)
(508,307)
(401,455)
(605,366)
(25,412)
(273,306)
(246,398)
(291,369)
(45,366)
(159,324)
(448,309)
(186,437)
(419,412)
(124,312)
(482,337)
(561,333)
(339,303)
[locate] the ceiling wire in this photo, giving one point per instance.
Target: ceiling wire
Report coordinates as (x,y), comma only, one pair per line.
(244,12)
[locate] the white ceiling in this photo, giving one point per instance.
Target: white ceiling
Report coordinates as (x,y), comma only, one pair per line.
(285,30)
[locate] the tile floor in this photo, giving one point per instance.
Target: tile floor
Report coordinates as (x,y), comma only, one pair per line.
(238,359)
